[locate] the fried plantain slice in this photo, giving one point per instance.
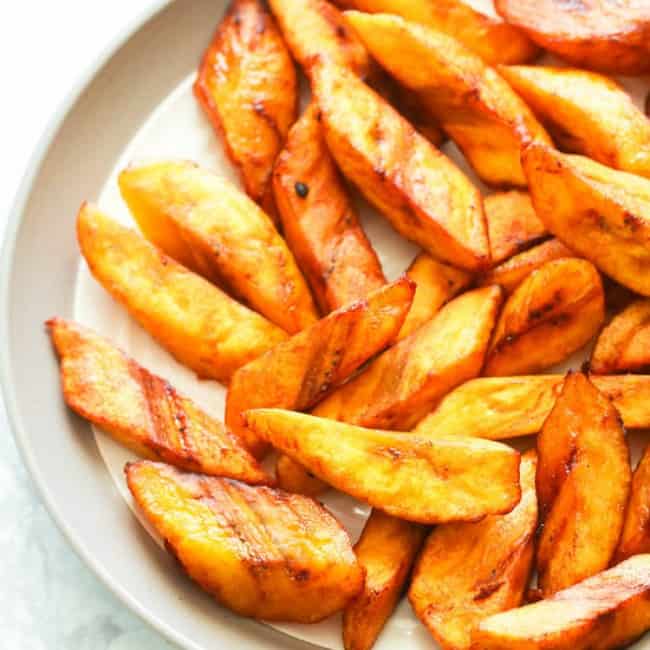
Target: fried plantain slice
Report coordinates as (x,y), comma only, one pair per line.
(319,221)
(316,28)
(467,572)
(401,386)
(437,283)
(193,320)
(261,552)
(300,372)
(498,408)
(475,107)
(612,37)
(208,225)
(494,40)
(513,225)
(624,345)
(601,213)
(386,550)
(248,88)
(464,478)
(608,610)
(555,311)
(635,538)
(418,189)
(511,273)
(586,113)
(583,485)
(142,411)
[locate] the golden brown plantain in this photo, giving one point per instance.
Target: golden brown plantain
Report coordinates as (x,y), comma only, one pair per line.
(608,610)
(248,88)
(437,283)
(467,572)
(635,538)
(511,273)
(319,220)
(208,225)
(498,408)
(475,107)
(512,223)
(624,345)
(586,113)
(494,40)
(464,478)
(196,322)
(143,411)
(260,552)
(583,485)
(386,550)
(300,372)
(555,311)
(605,35)
(601,213)
(314,28)
(418,189)
(401,386)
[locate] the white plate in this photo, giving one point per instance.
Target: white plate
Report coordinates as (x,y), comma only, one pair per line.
(139,108)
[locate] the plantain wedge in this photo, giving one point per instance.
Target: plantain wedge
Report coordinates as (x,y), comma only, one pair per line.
(248,87)
(475,107)
(498,408)
(418,189)
(464,479)
(261,552)
(208,225)
(300,372)
(142,411)
(601,213)
(494,40)
(608,610)
(513,225)
(586,113)
(467,572)
(386,550)
(402,385)
(583,485)
(601,35)
(195,321)
(319,221)
(436,284)
(511,273)
(635,538)
(314,28)
(624,345)
(555,311)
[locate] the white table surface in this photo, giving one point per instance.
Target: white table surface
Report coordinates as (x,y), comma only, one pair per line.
(49,600)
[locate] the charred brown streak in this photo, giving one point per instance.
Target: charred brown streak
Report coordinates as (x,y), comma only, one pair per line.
(485,591)
(157,393)
(179,416)
(238,521)
(632,221)
(260,109)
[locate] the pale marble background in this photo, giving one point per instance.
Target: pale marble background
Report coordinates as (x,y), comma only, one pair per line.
(48,599)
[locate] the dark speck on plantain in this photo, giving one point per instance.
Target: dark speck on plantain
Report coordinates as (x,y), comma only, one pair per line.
(302,190)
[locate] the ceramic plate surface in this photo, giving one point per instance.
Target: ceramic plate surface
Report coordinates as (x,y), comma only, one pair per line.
(137,106)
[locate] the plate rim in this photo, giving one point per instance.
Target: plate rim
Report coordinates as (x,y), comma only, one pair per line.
(18,206)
